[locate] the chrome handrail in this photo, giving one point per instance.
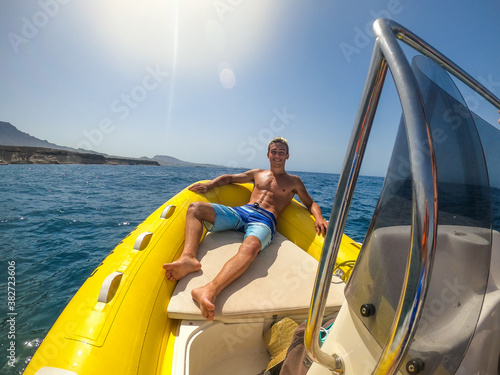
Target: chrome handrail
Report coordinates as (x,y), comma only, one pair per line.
(388,53)
(341,202)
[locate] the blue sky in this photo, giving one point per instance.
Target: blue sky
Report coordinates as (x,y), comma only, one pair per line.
(213,80)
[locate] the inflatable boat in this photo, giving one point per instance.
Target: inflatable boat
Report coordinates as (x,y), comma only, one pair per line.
(127,318)
(422,298)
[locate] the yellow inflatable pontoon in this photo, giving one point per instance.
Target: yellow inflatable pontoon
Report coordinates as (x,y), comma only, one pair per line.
(127,318)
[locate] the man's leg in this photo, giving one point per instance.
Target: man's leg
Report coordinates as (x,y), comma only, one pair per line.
(234,268)
(187,262)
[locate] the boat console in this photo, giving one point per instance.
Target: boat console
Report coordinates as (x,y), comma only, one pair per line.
(424,295)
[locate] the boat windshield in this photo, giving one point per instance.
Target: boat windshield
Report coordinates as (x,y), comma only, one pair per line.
(468,209)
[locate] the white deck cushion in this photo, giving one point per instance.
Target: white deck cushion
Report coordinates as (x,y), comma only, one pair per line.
(278,282)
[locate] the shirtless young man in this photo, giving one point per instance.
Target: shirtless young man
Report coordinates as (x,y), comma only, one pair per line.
(273,190)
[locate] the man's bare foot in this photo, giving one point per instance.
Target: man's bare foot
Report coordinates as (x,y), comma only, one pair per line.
(205,299)
(181,267)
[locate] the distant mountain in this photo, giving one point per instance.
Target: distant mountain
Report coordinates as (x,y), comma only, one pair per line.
(169,160)
(11,136)
(174,162)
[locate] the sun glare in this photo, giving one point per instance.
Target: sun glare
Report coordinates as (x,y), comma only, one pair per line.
(201,32)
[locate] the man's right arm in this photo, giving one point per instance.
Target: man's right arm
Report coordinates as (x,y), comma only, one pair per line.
(225,179)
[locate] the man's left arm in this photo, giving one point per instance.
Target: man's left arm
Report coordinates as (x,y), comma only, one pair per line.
(320,224)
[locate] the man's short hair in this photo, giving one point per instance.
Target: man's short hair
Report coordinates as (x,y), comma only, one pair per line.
(278,140)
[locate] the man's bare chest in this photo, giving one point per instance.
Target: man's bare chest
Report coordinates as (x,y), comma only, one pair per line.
(274,185)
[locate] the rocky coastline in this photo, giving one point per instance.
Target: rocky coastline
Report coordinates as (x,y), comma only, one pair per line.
(40,155)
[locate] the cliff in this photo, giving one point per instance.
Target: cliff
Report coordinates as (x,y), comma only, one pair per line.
(17,147)
(40,155)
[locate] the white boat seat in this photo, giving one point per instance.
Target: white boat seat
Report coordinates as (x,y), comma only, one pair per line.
(278,283)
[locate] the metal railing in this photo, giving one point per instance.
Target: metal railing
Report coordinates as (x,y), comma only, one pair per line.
(389,54)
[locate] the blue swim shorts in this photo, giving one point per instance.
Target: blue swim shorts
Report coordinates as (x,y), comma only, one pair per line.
(253,221)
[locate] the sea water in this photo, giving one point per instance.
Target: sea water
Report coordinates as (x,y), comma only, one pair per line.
(58,222)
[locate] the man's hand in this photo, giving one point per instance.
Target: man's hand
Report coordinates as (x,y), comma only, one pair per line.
(201,187)
(321,226)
